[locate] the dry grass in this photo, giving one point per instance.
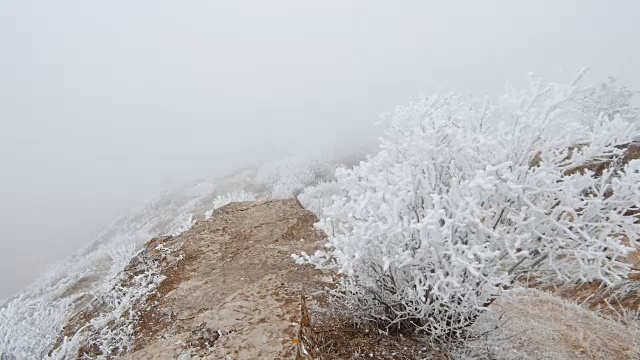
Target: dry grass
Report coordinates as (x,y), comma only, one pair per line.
(532,324)
(338,338)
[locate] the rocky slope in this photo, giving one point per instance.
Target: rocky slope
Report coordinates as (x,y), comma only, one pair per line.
(229,287)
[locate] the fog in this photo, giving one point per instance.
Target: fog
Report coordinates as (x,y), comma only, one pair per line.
(103,104)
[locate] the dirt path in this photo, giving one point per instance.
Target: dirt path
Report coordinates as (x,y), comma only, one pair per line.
(236,293)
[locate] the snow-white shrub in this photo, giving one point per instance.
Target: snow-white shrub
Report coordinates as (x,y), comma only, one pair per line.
(113,329)
(116,307)
(288,176)
(234,196)
(320,259)
(121,253)
(466,193)
(30,326)
(31,321)
(183,223)
(316,198)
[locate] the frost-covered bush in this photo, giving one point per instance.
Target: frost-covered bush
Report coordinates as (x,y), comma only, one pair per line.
(121,253)
(31,321)
(316,198)
(288,176)
(467,193)
(115,310)
(182,224)
(29,326)
(235,196)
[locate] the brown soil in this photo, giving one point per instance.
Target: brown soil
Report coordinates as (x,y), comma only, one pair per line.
(237,283)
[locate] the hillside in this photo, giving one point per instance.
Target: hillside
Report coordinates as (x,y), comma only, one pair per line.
(229,289)
(482,228)
(31,321)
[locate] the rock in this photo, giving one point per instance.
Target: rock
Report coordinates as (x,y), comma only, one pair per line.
(236,293)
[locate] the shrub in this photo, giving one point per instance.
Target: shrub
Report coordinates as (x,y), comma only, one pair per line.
(316,198)
(288,176)
(235,196)
(467,193)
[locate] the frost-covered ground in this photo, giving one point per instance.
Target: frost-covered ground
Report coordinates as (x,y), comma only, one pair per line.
(530,324)
(31,321)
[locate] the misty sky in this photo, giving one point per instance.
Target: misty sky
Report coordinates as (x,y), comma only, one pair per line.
(104,103)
